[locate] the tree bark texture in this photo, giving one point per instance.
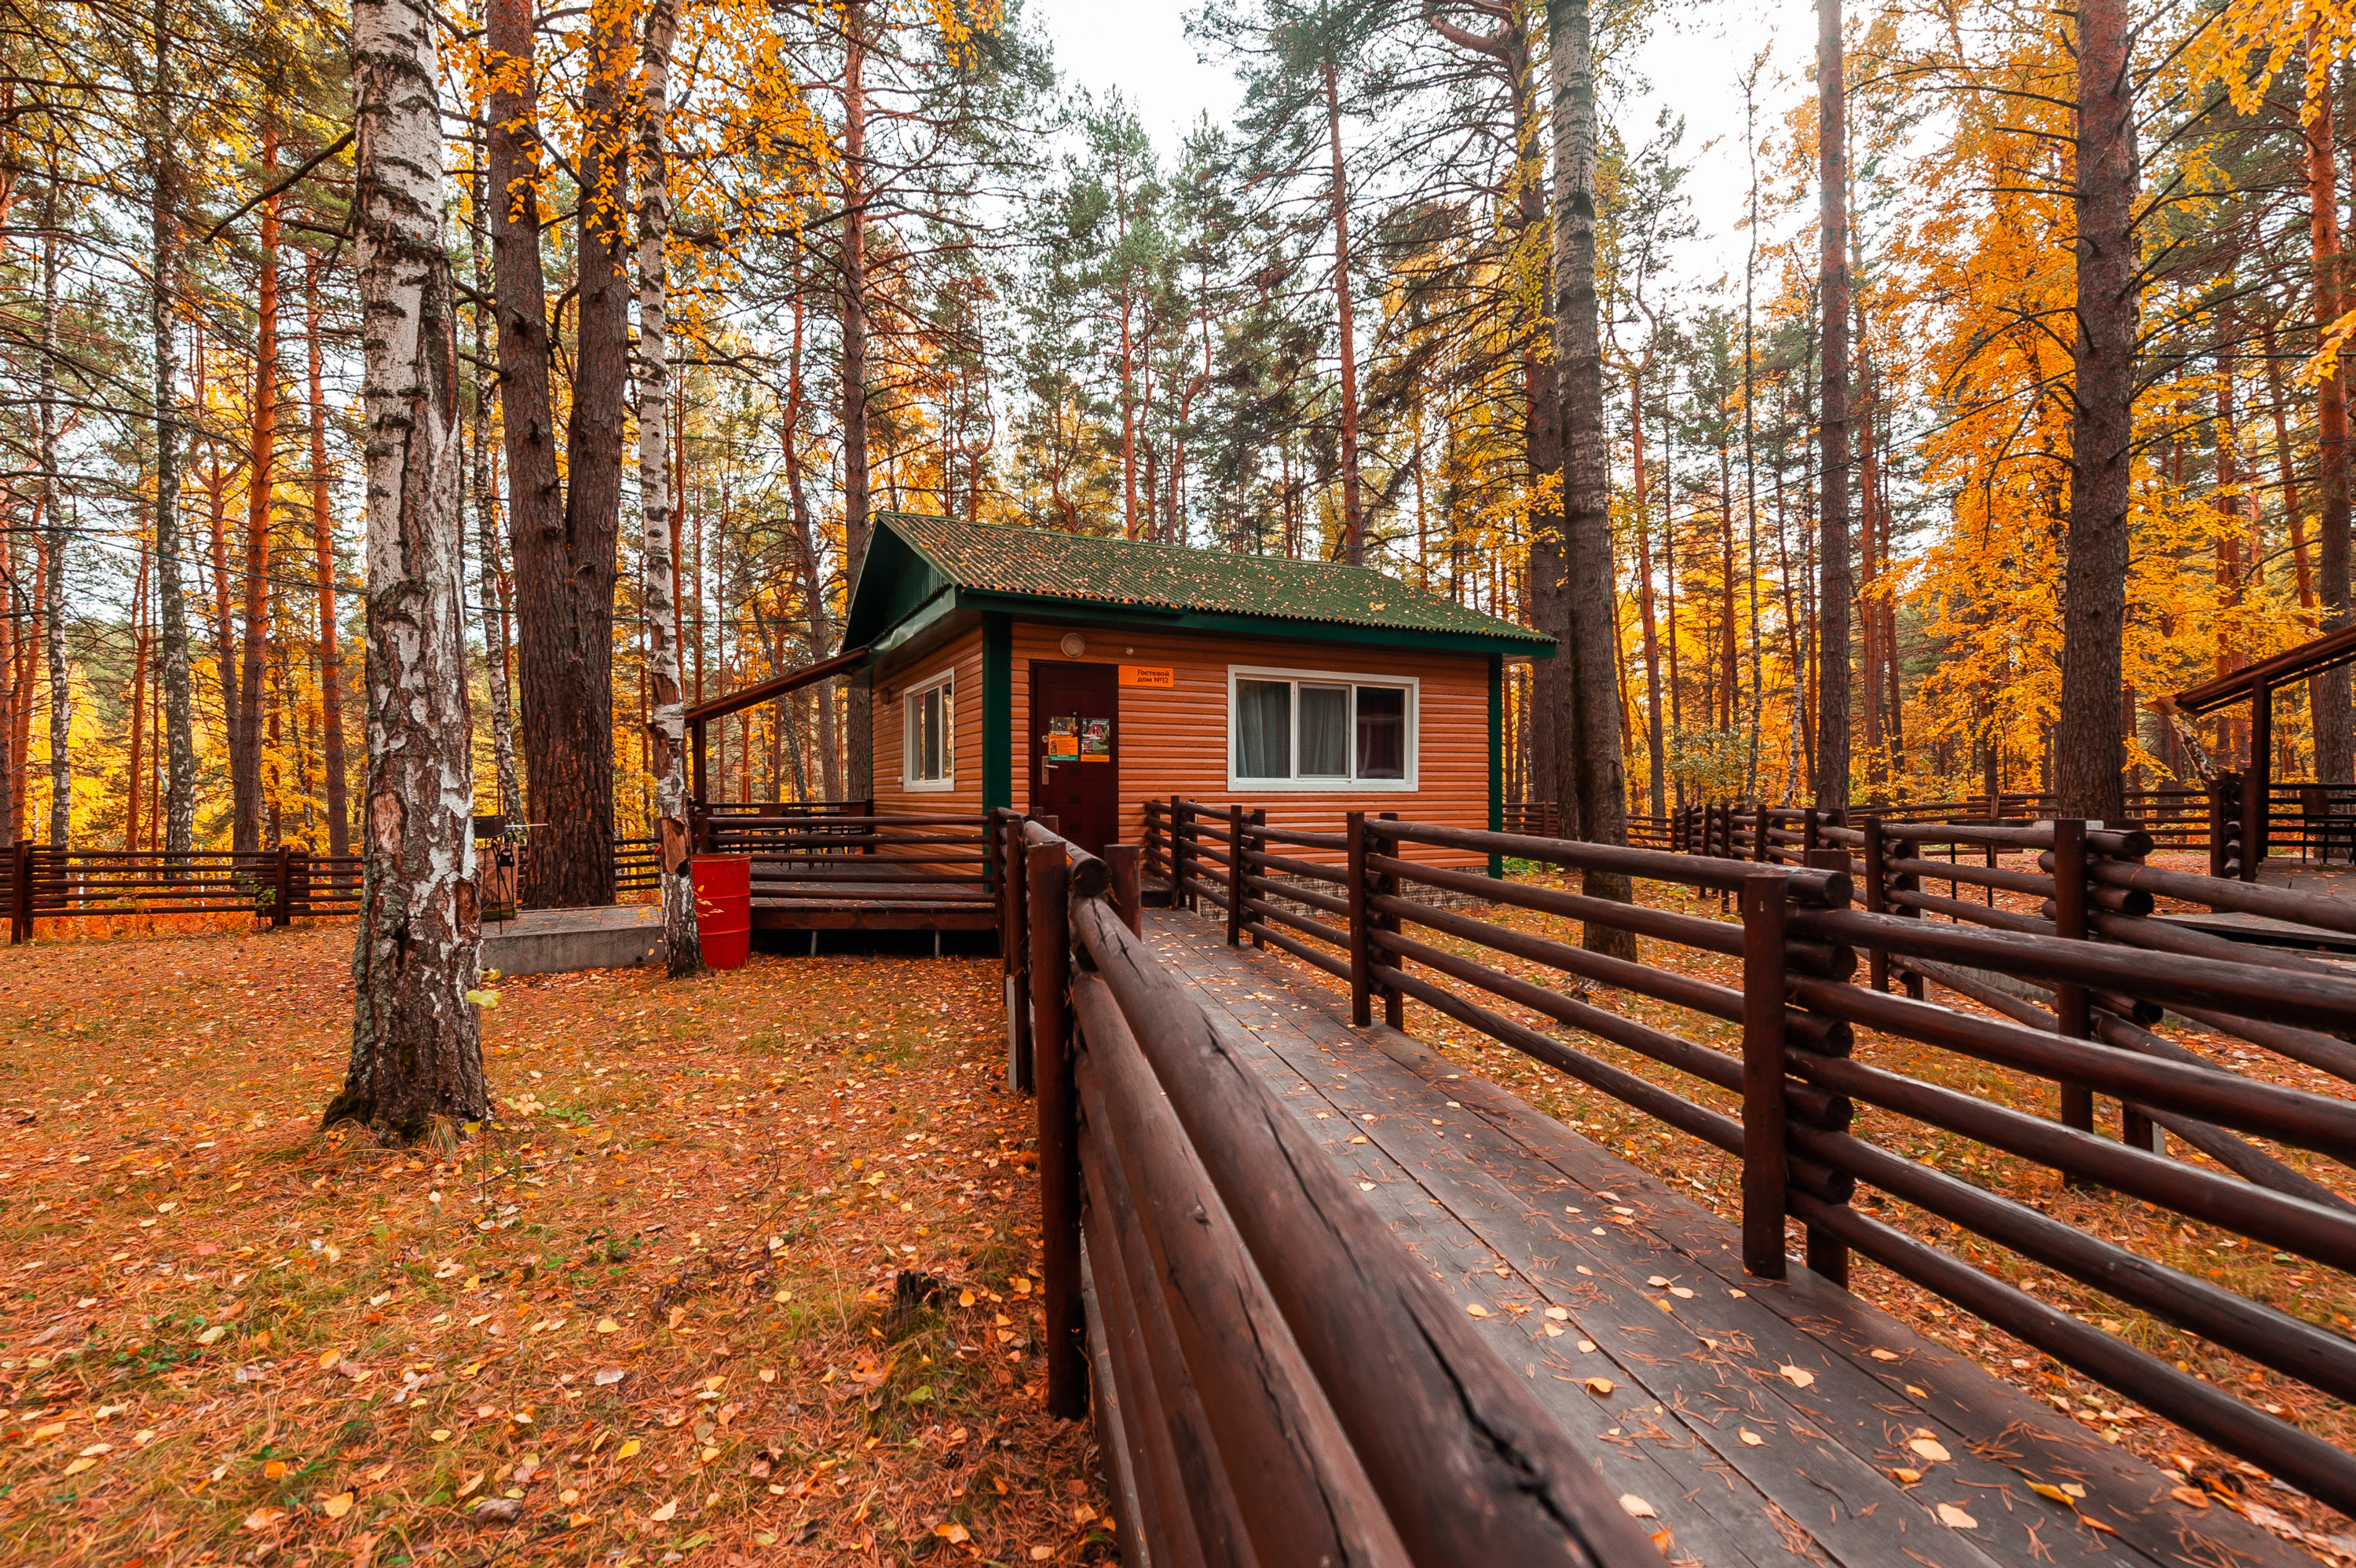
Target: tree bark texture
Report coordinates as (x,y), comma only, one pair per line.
(53,518)
(2335,735)
(564,681)
(666,708)
(1353,519)
(2094,583)
(1832,511)
(261,475)
(486,523)
(416,1060)
(180,813)
(323,551)
(1590,771)
(859,743)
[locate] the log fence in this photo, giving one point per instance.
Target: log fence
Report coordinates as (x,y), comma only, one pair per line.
(2106,970)
(1327,1403)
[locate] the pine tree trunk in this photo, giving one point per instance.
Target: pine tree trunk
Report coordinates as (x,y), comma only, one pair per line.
(261,461)
(1655,754)
(667,720)
(566,733)
(2102,423)
(1354,517)
(10,613)
(179,810)
(2335,735)
(1590,771)
(1832,512)
(859,742)
(54,519)
(323,548)
(417,1062)
(142,640)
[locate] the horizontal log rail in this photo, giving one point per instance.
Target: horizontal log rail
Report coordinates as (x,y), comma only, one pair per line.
(1327,1403)
(2094,965)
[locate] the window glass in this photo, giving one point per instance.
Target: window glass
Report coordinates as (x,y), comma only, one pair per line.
(1382,732)
(1324,731)
(931,722)
(1263,729)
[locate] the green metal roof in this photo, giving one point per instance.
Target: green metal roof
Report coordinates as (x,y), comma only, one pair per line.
(913,559)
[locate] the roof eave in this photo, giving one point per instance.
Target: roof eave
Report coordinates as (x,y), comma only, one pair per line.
(1080,611)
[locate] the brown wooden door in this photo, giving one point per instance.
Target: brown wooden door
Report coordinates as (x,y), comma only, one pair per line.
(1075,744)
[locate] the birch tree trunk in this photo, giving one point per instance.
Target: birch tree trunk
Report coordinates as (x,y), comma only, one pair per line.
(1832,513)
(666,706)
(179,814)
(2101,420)
(1590,771)
(416,1060)
(486,523)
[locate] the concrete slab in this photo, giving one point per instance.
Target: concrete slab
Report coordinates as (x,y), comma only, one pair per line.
(558,941)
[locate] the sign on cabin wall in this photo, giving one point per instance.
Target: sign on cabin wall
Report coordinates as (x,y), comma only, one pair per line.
(1161,676)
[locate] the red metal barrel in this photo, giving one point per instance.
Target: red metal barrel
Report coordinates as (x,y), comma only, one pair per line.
(724,908)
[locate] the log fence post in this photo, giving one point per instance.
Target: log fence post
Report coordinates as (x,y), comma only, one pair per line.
(1394,999)
(1235,874)
(1766,1163)
(1361,1003)
(1878,958)
(1120,860)
(2070,1004)
(1019,1032)
(1059,1146)
(282,887)
(1259,846)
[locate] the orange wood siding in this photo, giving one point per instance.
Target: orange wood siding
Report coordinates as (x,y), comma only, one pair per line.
(963,658)
(1174,741)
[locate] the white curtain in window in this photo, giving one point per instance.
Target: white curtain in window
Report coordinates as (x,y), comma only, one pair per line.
(1263,729)
(1324,731)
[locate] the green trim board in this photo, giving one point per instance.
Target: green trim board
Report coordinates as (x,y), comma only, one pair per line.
(1497,757)
(1048,574)
(997,711)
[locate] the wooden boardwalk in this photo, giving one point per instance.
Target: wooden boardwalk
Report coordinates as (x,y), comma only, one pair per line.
(1763,1423)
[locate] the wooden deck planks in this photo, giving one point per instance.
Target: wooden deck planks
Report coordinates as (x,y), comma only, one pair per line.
(1477,1185)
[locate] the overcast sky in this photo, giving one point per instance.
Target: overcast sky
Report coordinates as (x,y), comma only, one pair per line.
(1694,61)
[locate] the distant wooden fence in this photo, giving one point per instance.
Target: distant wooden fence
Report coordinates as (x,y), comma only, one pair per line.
(45,882)
(2105,966)
(1322,1401)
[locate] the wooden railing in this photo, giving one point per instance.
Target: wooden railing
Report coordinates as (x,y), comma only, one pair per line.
(821,851)
(2106,967)
(1325,1403)
(45,881)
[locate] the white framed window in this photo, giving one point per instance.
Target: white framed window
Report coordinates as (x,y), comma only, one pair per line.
(1320,730)
(928,734)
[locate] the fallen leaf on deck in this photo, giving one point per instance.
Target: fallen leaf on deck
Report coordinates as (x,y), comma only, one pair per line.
(1955,1517)
(1883,1355)
(1798,1377)
(2190,1497)
(1931,1449)
(1599,1385)
(1477,1310)
(1637,1507)
(1750,1437)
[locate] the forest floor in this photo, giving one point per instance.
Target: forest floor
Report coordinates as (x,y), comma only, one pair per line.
(744,1268)
(654,1312)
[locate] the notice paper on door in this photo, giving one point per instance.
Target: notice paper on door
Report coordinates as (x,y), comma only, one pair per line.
(1095,739)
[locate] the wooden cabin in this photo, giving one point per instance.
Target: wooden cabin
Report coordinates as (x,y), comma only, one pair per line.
(1079,677)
